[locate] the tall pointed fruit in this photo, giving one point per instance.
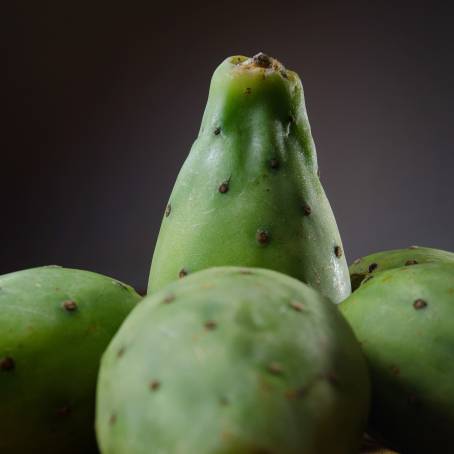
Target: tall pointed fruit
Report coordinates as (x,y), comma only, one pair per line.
(54,325)
(233,361)
(249,192)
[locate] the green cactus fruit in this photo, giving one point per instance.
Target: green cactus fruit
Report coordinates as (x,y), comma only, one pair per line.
(404,320)
(248,193)
(364,267)
(54,325)
(233,360)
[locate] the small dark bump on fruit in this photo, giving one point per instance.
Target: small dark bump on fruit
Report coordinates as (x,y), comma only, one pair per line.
(217,131)
(7,364)
(224,401)
(182,273)
(297,306)
(168,210)
(373,267)
(248,91)
(307,210)
(338,251)
(121,352)
(275,368)
(69,305)
(411,262)
(419,304)
(274,163)
(262,237)
(112,419)
(210,325)
(318,173)
(224,187)
(154,385)
(247,272)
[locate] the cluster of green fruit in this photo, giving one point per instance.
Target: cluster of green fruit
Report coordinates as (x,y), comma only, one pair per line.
(238,347)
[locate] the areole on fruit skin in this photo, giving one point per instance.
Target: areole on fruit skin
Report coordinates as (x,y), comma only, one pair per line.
(233,360)
(249,193)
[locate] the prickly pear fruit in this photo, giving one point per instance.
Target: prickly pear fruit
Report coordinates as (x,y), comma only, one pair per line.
(404,319)
(363,268)
(54,325)
(233,360)
(248,193)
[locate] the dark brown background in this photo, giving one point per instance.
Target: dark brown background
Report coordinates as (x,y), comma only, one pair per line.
(103,101)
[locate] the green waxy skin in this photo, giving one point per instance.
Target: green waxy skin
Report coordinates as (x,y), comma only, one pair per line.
(54,325)
(404,319)
(248,193)
(234,361)
(396,258)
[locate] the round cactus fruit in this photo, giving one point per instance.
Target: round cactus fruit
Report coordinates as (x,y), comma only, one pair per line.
(233,360)
(364,267)
(248,193)
(54,325)
(403,319)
